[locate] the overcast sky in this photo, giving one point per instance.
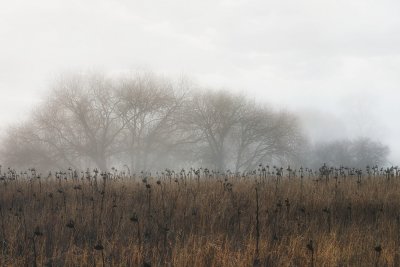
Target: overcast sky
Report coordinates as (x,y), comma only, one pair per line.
(336,63)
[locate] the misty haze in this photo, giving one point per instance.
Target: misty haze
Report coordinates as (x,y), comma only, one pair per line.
(208,133)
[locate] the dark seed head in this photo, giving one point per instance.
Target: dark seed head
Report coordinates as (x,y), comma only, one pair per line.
(134,218)
(99,246)
(378,248)
(310,246)
(37,232)
(147,234)
(287,202)
(275,237)
(71,224)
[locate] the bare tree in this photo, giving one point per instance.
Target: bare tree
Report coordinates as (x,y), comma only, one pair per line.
(353,153)
(368,152)
(262,135)
(148,107)
(25,147)
(149,122)
(80,117)
(213,116)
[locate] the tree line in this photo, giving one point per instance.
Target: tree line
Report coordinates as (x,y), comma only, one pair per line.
(148,122)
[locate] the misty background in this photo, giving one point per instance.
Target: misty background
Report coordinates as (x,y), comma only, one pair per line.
(332,64)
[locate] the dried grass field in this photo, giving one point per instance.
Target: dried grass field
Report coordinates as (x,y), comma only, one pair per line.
(198,218)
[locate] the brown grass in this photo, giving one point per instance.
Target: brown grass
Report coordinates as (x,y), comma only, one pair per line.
(206,223)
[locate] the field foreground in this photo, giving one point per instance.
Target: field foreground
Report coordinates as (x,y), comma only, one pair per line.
(188,220)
